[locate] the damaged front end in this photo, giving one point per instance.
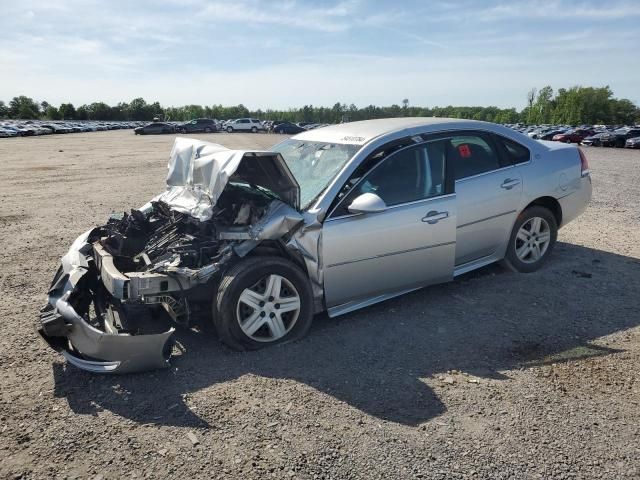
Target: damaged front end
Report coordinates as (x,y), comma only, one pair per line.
(219,205)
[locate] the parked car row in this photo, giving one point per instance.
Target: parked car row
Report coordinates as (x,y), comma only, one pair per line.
(208,125)
(588,135)
(28,128)
(282,126)
(203,125)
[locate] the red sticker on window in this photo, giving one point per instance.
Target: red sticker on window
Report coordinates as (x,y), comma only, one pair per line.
(464,150)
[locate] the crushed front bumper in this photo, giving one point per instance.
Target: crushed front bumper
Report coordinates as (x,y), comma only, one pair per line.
(99,344)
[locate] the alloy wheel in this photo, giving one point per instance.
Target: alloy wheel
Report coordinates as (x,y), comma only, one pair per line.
(269,309)
(532,240)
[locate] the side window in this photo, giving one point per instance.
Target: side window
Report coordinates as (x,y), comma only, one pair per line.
(472,154)
(516,152)
(412,174)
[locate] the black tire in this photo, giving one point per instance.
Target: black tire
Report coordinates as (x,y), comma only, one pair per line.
(229,129)
(511,259)
(183,130)
(245,274)
(207,130)
(254,130)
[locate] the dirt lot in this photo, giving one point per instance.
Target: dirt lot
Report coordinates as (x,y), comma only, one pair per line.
(496,375)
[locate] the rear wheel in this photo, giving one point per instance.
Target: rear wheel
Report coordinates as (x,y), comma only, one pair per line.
(207,130)
(262,301)
(532,240)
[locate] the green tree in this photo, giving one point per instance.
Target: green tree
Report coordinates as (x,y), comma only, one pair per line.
(82,112)
(542,109)
(99,111)
(23,107)
(67,111)
(624,111)
(531,96)
(52,113)
(138,110)
(4,110)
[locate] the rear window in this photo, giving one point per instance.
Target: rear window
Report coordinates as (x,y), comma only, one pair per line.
(517,153)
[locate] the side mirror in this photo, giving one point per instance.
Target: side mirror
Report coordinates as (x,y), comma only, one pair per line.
(367,203)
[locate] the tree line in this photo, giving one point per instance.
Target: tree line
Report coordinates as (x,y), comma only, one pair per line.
(576,105)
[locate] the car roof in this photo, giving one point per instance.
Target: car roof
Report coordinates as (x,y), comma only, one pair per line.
(362,132)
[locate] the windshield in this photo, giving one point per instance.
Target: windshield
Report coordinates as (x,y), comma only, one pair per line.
(314,164)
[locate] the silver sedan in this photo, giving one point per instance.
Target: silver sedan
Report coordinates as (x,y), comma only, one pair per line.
(336,219)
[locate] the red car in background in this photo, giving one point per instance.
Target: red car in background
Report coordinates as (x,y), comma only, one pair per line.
(573,136)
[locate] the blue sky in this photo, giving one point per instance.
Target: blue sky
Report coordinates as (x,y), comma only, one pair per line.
(287,53)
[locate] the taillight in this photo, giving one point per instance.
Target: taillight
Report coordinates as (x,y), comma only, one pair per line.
(584,164)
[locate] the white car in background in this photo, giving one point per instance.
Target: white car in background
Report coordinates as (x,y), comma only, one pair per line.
(7,132)
(245,125)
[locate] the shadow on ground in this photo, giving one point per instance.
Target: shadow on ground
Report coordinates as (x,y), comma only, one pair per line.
(485,321)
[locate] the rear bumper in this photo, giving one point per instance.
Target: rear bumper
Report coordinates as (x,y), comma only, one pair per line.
(576,202)
(99,345)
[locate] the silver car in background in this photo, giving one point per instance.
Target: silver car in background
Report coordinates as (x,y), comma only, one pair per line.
(335,219)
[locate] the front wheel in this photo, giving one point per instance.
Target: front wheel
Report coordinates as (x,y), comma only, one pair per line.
(229,129)
(254,130)
(262,301)
(532,240)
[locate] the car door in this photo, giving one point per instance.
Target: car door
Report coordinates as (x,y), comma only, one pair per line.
(411,243)
(488,192)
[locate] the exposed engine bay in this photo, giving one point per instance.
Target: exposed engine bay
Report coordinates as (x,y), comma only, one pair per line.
(164,241)
(219,206)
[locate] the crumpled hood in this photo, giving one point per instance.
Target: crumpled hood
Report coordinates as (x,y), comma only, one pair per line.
(199,171)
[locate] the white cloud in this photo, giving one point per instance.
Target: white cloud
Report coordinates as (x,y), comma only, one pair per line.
(283,13)
(559,9)
(293,52)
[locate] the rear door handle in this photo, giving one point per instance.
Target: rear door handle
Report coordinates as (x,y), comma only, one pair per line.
(434,217)
(509,183)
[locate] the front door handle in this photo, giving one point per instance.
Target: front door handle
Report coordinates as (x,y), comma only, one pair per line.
(434,217)
(509,183)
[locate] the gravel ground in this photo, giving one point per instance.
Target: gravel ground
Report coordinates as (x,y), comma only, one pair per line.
(496,375)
